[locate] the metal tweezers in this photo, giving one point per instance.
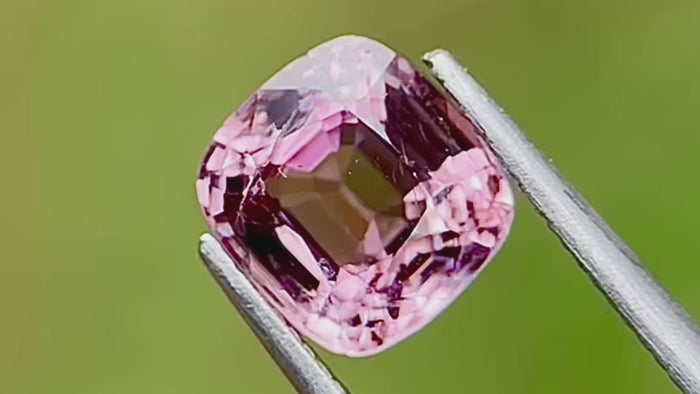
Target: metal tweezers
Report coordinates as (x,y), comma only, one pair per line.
(661,324)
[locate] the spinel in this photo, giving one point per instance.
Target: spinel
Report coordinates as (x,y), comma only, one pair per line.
(355,196)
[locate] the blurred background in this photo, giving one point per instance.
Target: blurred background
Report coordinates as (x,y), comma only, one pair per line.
(106,109)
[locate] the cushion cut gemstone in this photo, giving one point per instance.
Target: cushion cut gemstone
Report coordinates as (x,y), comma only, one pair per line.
(355,196)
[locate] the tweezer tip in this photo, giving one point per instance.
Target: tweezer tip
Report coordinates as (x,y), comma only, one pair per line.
(429,57)
(207,249)
(204,239)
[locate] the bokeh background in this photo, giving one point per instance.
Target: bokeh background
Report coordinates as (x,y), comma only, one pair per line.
(106,108)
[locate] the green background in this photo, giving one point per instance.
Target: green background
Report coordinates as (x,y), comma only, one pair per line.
(106,108)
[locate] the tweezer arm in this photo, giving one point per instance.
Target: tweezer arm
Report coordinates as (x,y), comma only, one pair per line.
(660,323)
(303,369)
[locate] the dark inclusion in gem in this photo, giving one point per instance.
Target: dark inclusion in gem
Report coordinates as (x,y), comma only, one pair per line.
(355,196)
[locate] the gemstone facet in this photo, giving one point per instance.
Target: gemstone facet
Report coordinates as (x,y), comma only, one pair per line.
(355,196)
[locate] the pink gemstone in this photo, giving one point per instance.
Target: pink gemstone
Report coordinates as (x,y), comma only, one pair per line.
(355,196)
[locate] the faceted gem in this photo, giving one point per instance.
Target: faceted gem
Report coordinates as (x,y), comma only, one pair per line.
(355,196)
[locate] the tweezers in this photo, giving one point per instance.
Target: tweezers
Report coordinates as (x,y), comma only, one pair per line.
(660,323)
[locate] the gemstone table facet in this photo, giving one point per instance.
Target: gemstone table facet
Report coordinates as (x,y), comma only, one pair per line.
(355,196)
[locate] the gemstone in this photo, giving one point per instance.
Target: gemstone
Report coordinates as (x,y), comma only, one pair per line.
(356,197)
